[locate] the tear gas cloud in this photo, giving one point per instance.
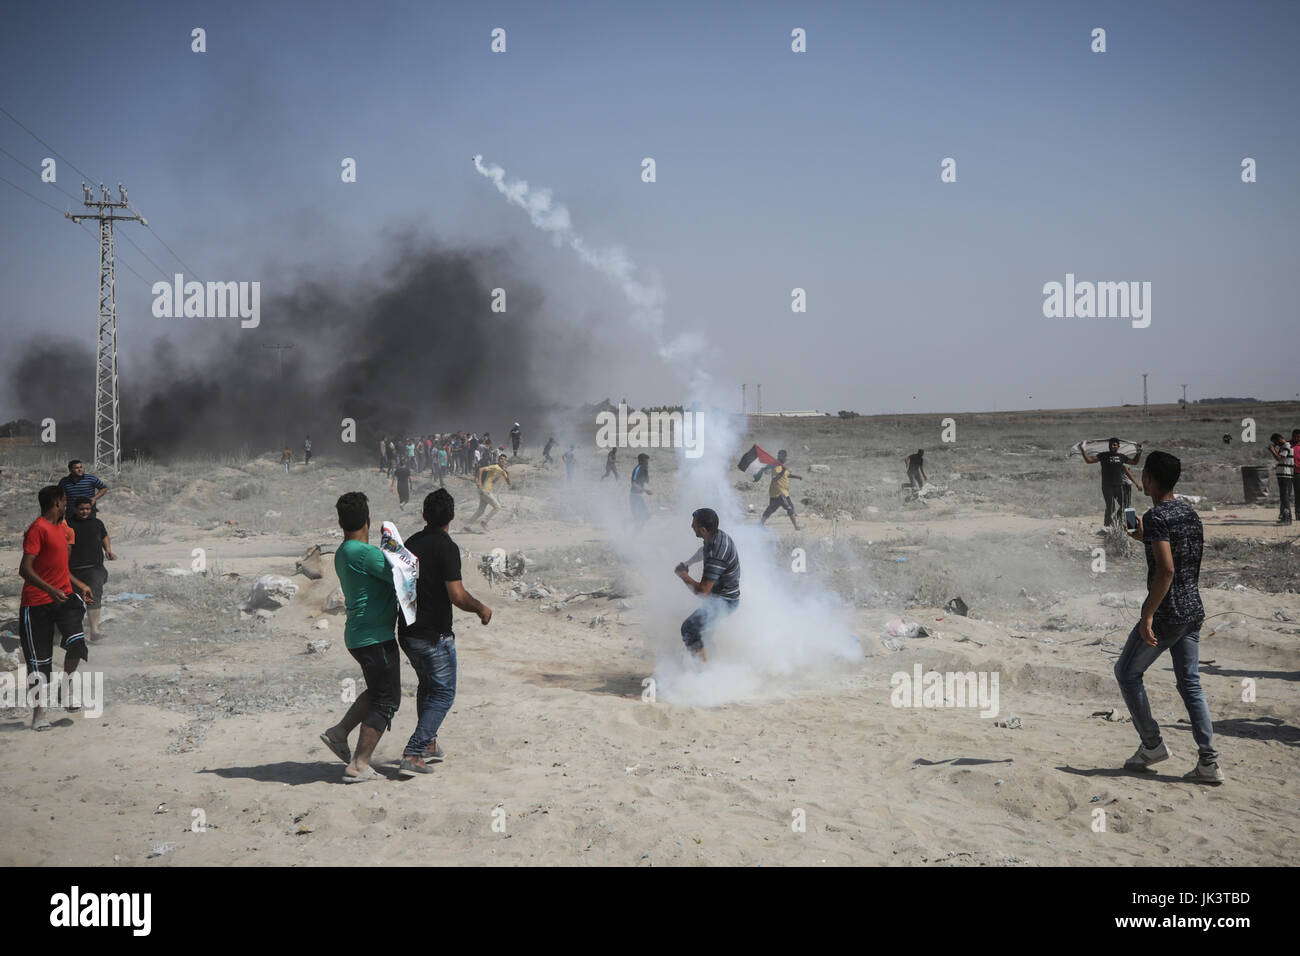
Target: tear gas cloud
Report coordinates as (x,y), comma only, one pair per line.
(789,630)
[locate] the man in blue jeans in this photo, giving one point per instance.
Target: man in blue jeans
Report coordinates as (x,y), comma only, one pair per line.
(1172,614)
(430,643)
(719,583)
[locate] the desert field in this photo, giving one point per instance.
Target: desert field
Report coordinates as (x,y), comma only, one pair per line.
(580,736)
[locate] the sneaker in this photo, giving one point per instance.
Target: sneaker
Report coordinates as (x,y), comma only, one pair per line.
(433,756)
(1145,757)
(1205,773)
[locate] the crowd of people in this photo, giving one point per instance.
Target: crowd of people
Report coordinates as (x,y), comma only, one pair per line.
(66,546)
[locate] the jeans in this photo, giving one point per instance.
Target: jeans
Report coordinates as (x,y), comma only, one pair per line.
(703,620)
(1286,492)
(1183,642)
(434,663)
(1114,498)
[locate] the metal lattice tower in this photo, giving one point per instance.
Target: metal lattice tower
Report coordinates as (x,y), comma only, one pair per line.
(108,444)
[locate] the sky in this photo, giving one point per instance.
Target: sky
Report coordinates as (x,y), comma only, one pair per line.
(775,170)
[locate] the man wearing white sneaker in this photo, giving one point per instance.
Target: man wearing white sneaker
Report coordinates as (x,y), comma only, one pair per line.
(1172,614)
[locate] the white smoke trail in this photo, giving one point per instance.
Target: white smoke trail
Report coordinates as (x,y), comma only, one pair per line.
(646,297)
(789,629)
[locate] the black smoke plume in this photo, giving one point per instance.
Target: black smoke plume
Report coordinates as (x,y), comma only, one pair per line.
(408,348)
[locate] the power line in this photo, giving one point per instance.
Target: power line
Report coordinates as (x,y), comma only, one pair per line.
(84,228)
(45,144)
(91,179)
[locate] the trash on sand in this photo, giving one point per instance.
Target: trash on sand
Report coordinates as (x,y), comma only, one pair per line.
(1011,723)
(901,628)
(956,606)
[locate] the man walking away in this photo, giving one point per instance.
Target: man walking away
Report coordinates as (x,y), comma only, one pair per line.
(778,493)
(487,477)
(1112,478)
(719,583)
(430,643)
(1283,454)
(286,459)
(90,548)
(916,469)
(638,491)
(1172,614)
(611,466)
(546,451)
(401,483)
(515,437)
(49,599)
(371,599)
(77,484)
(306,450)
(568,463)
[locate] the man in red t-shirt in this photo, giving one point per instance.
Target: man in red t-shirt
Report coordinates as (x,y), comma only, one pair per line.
(51,597)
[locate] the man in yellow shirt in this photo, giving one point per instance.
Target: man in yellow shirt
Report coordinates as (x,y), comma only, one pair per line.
(778,492)
(487,478)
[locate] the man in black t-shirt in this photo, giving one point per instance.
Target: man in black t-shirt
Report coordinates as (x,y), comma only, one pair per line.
(1172,615)
(1112,478)
(86,560)
(430,643)
(402,482)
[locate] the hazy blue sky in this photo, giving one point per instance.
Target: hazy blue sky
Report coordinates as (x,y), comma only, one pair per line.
(775,170)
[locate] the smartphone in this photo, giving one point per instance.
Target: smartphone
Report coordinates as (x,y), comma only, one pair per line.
(1130,519)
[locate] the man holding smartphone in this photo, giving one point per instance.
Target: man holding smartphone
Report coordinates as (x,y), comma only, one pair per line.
(1172,614)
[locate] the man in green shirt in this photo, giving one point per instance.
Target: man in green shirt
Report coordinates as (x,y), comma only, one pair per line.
(367,583)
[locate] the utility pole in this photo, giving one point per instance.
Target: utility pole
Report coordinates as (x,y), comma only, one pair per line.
(742,398)
(1144,395)
(108,426)
(760,399)
(1184,399)
(280,349)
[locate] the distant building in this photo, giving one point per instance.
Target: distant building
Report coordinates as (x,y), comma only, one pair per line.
(805,414)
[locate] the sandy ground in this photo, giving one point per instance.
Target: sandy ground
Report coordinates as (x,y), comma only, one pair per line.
(554,757)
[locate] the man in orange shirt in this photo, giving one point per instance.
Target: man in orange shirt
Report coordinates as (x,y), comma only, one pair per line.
(51,597)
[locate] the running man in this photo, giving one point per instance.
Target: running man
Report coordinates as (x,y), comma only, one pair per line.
(568,463)
(778,492)
(51,597)
(719,584)
(1172,614)
(430,643)
(611,466)
(638,491)
(367,583)
(1112,478)
(515,437)
(77,484)
(401,483)
(487,477)
(546,451)
(89,549)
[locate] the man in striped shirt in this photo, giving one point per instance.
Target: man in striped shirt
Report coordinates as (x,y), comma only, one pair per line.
(77,484)
(719,583)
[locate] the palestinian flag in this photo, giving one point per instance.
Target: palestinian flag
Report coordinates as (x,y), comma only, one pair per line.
(754,461)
